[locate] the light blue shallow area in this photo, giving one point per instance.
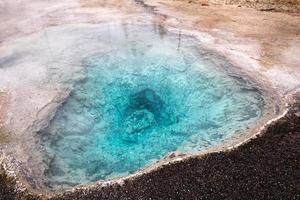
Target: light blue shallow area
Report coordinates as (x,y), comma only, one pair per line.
(150,92)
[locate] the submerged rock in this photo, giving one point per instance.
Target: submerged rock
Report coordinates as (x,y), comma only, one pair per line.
(138,121)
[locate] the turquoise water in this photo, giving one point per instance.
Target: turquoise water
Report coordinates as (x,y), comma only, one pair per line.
(149,93)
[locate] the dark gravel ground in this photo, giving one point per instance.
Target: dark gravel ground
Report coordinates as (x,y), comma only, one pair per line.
(267,167)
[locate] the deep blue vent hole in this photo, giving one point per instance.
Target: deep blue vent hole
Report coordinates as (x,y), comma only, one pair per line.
(146,109)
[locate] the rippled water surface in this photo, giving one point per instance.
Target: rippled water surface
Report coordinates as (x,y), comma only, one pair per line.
(146,93)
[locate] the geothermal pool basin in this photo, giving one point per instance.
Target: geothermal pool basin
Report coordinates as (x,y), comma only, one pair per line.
(136,94)
(142,96)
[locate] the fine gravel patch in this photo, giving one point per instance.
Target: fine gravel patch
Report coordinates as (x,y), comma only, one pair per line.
(266,167)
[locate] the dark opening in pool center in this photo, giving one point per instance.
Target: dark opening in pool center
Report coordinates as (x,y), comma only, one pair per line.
(146,109)
(141,99)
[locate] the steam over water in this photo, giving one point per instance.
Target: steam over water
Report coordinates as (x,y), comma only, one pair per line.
(144,92)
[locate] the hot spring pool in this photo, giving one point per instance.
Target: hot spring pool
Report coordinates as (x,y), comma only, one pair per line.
(146,93)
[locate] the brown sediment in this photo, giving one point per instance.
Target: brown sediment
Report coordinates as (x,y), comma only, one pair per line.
(5,136)
(292,6)
(3,105)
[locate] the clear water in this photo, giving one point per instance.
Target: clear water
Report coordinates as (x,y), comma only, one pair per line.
(150,93)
